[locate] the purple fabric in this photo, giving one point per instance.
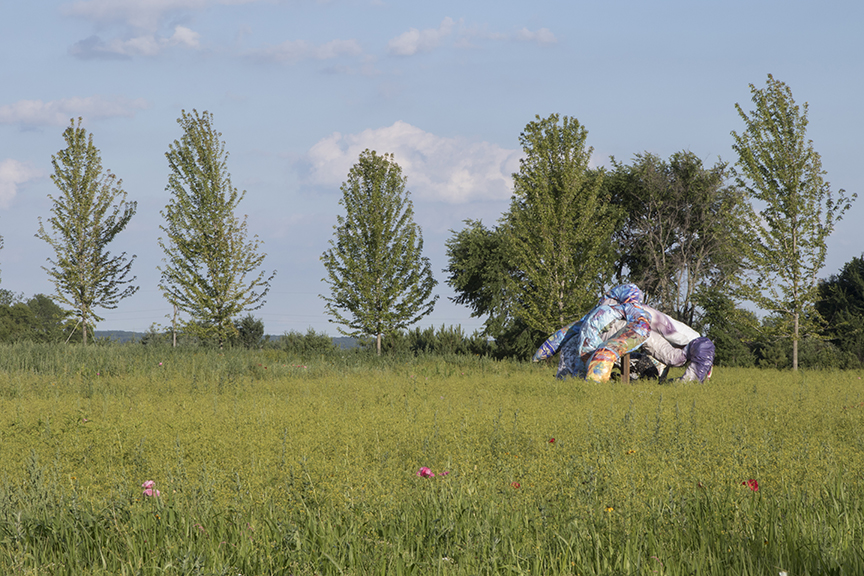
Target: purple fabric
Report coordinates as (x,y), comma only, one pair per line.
(700,354)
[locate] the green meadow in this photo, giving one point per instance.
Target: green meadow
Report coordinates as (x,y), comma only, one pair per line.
(268,464)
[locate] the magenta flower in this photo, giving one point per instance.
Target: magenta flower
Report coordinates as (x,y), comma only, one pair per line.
(149,490)
(425,472)
(752,484)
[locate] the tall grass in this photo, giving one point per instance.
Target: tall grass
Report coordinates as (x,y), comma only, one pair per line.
(268,464)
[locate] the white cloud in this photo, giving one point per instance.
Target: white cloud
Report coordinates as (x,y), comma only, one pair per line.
(145,45)
(139,14)
(13,173)
(29,113)
(451,170)
(541,36)
(296,50)
(413,41)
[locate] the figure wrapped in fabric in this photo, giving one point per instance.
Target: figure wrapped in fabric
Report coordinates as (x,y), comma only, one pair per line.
(620,324)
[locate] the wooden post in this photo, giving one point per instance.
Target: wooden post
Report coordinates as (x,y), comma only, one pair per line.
(625,369)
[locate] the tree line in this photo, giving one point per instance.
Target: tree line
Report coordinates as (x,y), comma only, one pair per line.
(701,241)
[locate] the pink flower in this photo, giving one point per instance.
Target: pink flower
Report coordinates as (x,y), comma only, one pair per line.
(445,473)
(752,484)
(425,472)
(149,490)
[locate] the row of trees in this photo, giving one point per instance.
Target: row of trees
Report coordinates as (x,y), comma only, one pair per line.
(211,270)
(697,239)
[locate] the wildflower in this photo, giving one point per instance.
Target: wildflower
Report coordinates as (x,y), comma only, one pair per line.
(149,490)
(631,451)
(160,363)
(515,485)
(551,440)
(445,473)
(752,484)
(610,509)
(425,472)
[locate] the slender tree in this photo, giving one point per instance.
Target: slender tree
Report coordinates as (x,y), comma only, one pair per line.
(559,225)
(210,265)
(795,212)
(89,212)
(379,280)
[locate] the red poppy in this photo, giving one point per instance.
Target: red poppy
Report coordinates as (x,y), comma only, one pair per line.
(752,484)
(551,440)
(515,485)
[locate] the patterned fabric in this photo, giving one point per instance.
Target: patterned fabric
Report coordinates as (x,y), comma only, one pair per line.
(593,325)
(556,340)
(700,354)
(626,294)
(628,339)
(571,364)
(677,333)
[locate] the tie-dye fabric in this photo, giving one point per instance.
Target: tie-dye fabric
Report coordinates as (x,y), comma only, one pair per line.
(593,325)
(675,332)
(552,344)
(626,340)
(626,294)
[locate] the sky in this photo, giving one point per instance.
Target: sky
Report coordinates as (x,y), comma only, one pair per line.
(298,88)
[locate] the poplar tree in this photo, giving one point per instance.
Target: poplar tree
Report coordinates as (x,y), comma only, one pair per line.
(210,263)
(379,280)
(795,212)
(559,225)
(89,212)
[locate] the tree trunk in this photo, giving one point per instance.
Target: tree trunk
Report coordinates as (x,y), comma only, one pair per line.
(84,331)
(378,343)
(795,345)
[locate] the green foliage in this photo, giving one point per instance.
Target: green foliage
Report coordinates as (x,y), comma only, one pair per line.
(266,467)
(559,226)
(250,332)
(89,213)
(379,280)
(796,211)
(841,305)
(443,342)
(210,265)
(306,345)
(38,319)
(481,272)
(733,330)
(478,266)
(679,229)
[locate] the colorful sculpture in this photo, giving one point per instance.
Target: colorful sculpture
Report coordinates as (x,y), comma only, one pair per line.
(621,324)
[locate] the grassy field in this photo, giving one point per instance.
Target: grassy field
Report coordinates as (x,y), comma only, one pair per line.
(266,464)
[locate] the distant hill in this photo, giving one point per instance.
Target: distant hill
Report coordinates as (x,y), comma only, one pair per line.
(345,342)
(119,335)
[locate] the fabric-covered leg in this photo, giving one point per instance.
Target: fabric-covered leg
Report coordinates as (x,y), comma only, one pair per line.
(600,366)
(626,340)
(700,354)
(570,364)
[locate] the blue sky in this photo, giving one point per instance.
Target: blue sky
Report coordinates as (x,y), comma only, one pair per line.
(298,88)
